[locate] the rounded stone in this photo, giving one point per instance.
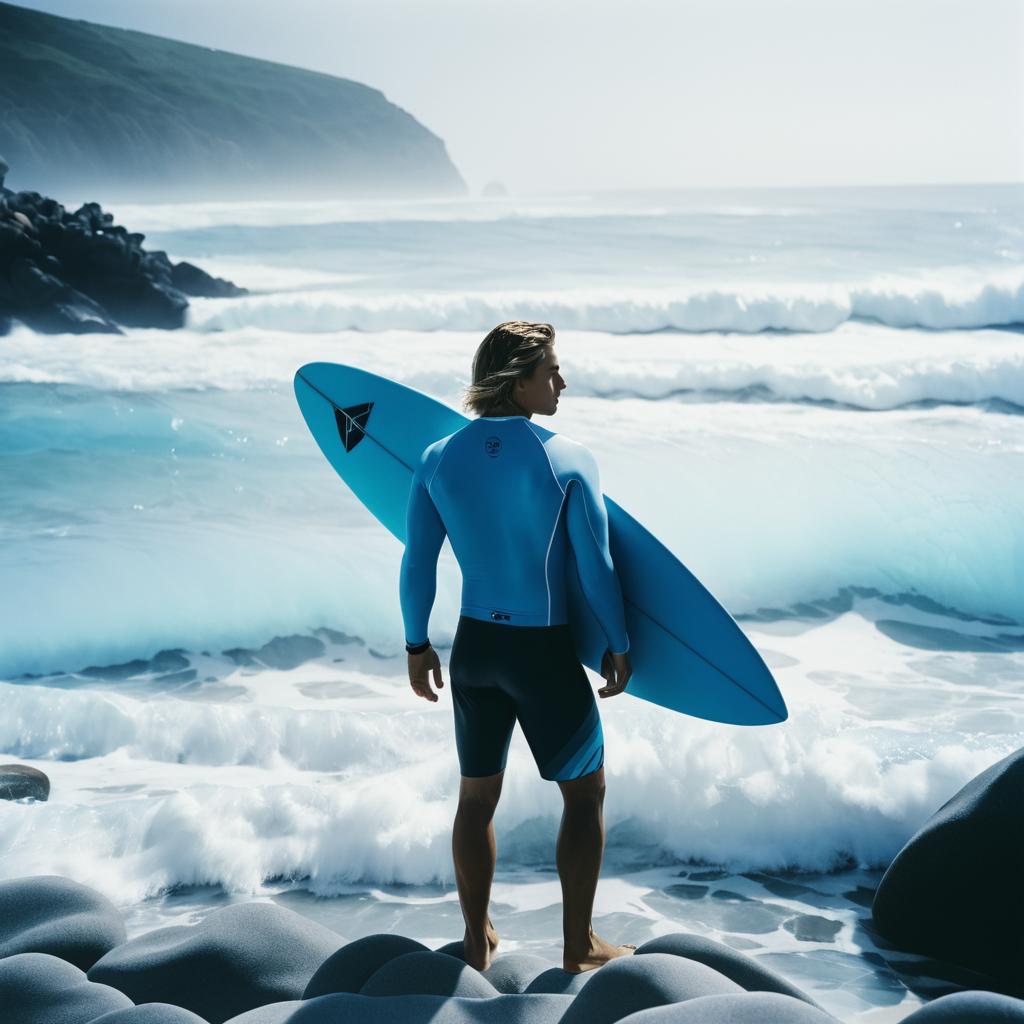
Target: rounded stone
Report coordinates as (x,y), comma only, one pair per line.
(237,958)
(57,915)
(37,988)
(630,983)
(428,973)
(350,967)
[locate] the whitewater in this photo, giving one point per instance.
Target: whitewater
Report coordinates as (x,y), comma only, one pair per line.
(814,398)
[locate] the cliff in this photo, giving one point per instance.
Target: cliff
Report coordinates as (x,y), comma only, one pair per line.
(91,109)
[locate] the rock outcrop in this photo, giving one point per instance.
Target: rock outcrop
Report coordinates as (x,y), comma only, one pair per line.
(79,272)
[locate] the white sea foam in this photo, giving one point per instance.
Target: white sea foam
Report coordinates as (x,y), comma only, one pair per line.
(863,365)
(940,302)
(357,783)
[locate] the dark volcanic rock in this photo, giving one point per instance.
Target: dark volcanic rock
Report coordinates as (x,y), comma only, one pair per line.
(18,781)
(58,916)
(188,278)
(956,891)
(237,958)
(80,272)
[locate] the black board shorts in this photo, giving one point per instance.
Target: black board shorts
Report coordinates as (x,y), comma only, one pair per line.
(500,673)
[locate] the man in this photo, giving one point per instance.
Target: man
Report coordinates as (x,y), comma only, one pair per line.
(513,498)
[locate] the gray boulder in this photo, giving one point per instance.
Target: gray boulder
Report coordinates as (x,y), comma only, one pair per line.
(359,1009)
(237,958)
(956,890)
(737,966)
(36,988)
(748,1008)
(558,982)
(59,916)
(970,1008)
(350,967)
(428,974)
(513,972)
(150,1013)
(272,1013)
(631,983)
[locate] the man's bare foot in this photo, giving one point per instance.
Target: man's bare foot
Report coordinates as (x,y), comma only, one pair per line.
(492,936)
(478,955)
(599,953)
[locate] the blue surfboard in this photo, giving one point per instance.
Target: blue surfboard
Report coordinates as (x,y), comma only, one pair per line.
(687,652)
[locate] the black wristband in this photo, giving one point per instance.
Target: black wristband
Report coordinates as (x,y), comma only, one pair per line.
(417,648)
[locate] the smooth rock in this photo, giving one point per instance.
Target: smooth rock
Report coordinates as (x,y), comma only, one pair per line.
(513,972)
(630,983)
(972,1007)
(428,973)
(150,1013)
(59,916)
(350,967)
(747,1008)
(555,981)
(272,1013)
(358,1009)
(737,966)
(18,781)
(237,958)
(956,890)
(36,988)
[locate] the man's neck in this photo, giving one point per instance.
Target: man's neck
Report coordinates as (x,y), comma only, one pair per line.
(507,410)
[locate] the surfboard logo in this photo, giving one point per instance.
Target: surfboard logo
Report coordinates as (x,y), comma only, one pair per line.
(352,423)
(492,446)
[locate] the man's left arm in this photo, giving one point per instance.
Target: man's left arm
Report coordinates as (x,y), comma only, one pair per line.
(424,534)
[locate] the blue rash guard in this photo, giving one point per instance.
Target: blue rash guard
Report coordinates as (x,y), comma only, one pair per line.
(511,496)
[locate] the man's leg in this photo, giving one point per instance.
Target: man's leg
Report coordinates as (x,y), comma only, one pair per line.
(475,852)
(578,856)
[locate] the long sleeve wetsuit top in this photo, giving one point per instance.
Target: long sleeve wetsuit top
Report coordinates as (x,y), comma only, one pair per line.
(511,497)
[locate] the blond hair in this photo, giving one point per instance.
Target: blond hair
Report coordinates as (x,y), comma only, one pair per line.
(511,351)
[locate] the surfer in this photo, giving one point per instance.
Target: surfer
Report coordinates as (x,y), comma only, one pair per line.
(516,501)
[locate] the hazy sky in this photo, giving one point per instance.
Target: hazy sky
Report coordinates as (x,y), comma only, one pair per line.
(577,94)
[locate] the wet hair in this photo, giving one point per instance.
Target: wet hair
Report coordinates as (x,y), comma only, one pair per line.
(511,351)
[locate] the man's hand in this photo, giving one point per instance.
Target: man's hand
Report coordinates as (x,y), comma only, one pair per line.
(420,667)
(616,670)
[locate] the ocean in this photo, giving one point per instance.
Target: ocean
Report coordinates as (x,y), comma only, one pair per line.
(815,398)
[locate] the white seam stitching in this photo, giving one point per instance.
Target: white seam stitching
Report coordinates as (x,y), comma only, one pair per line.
(591,525)
(544,449)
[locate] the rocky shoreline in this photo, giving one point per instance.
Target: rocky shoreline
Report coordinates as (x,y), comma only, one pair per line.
(78,272)
(65,952)
(64,955)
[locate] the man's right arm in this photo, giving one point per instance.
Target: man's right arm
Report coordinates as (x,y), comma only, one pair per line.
(587,522)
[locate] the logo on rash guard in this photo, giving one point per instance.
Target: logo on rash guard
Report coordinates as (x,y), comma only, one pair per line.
(501,616)
(492,446)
